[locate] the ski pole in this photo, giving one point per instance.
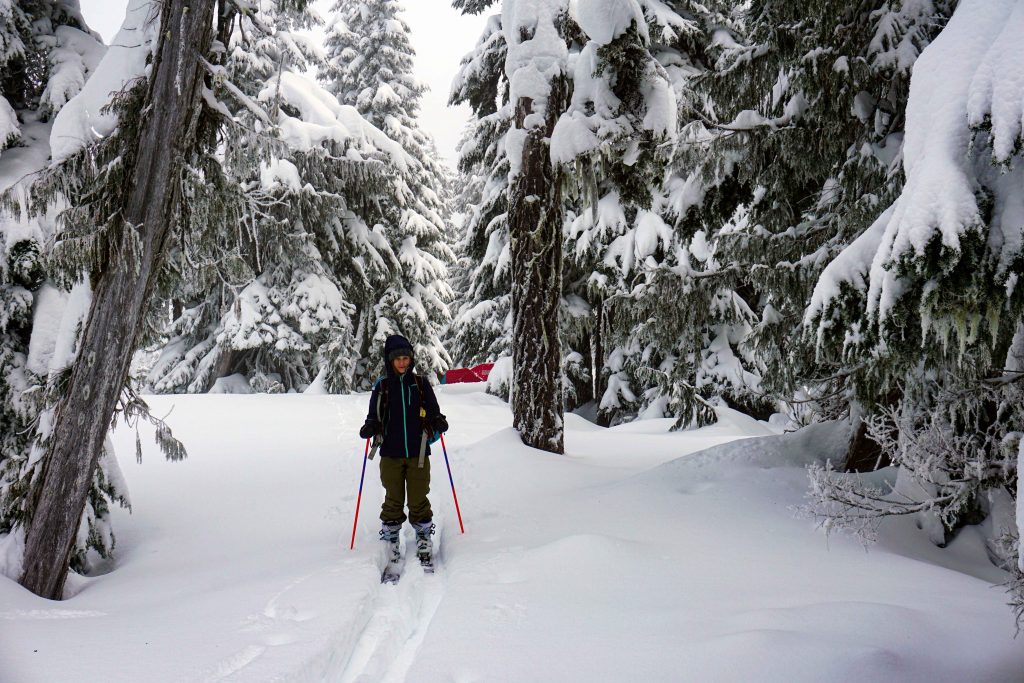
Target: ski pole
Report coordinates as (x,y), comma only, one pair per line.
(360,498)
(452,482)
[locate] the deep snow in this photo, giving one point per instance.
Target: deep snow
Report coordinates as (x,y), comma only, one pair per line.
(633,557)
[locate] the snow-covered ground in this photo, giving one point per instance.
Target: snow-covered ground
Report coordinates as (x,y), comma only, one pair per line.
(632,558)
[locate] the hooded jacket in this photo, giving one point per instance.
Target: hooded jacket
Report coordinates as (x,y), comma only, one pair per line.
(401,416)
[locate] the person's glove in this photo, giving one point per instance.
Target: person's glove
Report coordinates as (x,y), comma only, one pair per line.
(440,423)
(369,429)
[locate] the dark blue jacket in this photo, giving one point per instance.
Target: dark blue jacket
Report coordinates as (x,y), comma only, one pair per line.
(401,416)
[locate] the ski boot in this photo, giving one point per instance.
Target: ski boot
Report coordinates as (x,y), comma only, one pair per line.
(389,533)
(424,545)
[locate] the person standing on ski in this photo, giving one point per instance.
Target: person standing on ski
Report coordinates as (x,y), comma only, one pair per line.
(403,417)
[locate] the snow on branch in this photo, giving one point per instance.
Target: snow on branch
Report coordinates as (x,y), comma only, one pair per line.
(87,117)
(322,119)
(958,209)
(605,20)
(995,98)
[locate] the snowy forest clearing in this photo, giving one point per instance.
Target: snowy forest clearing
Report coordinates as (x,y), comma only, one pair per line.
(630,558)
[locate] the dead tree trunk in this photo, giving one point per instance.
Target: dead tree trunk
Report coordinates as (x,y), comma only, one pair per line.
(121,295)
(535,231)
(597,360)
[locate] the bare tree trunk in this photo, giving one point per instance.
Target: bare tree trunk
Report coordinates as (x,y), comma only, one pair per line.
(535,230)
(864,454)
(121,296)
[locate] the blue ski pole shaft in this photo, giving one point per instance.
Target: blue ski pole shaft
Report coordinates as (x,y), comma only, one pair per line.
(360,498)
(452,482)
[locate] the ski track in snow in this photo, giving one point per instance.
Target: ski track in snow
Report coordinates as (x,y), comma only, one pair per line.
(378,643)
(386,645)
(277,621)
(236,662)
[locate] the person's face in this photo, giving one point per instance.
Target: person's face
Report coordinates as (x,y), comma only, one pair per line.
(401,364)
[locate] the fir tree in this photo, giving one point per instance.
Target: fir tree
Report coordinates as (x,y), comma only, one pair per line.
(617,109)
(925,300)
(537,36)
(482,327)
(369,66)
(267,283)
(624,229)
(232,231)
(121,195)
(806,127)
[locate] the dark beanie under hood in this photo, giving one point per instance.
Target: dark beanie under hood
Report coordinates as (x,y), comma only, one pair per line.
(397,343)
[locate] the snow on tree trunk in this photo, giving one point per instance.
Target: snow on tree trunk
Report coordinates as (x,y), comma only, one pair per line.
(535,225)
(536,67)
(121,297)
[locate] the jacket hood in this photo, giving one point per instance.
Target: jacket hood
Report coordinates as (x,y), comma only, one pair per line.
(393,343)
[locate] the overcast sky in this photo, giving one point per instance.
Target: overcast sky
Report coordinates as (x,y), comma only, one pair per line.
(440,36)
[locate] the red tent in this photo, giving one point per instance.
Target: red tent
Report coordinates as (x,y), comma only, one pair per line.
(475,374)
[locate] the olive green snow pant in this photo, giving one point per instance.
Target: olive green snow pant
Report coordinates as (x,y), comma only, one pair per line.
(397,475)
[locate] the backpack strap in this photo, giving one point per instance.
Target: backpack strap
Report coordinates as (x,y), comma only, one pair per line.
(382,400)
(424,429)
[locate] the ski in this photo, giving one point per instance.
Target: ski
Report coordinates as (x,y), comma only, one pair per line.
(427,562)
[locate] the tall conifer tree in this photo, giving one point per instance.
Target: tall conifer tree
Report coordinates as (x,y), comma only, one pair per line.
(369,67)
(268,282)
(122,194)
(926,301)
(806,127)
(482,328)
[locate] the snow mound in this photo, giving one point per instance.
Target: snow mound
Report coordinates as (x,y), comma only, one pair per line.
(813,444)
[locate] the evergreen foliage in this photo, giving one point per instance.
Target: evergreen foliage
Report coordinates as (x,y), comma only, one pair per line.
(265,282)
(622,202)
(482,326)
(369,67)
(806,111)
(253,291)
(323,234)
(924,303)
(806,236)
(652,349)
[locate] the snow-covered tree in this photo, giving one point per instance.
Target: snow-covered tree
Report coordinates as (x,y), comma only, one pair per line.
(369,67)
(116,149)
(246,136)
(609,149)
(804,107)
(651,344)
(537,36)
(926,298)
(46,54)
(482,327)
(266,285)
